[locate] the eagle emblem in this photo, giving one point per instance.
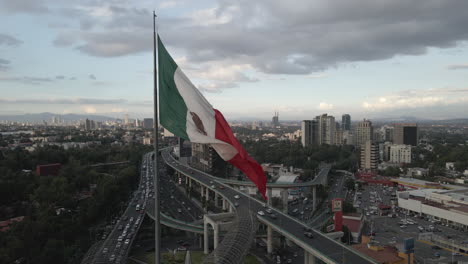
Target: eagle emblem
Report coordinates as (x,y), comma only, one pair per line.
(198,123)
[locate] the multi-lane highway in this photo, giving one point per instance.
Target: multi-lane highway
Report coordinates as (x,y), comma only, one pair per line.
(314,241)
(117,245)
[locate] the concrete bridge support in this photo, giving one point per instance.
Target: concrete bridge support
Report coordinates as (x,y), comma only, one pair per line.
(314,198)
(207,193)
(309,258)
(270,196)
(225,204)
(205,239)
(216,199)
(269,240)
(284,196)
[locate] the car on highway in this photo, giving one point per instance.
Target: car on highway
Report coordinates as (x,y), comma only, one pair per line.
(261,213)
(236,204)
(236,197)
(269,210)
(309,234)
(273,216)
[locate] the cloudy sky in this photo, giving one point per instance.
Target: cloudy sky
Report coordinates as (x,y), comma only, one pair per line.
(369,58)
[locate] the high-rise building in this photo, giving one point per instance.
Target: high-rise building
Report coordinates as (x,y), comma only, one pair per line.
(126,119)
(88,124)
(309,131)
(148,123)
(363,132)
(326,129)
(346,122)
(275,120)
(369,155)
(405,134)
(205,158)
(400,154)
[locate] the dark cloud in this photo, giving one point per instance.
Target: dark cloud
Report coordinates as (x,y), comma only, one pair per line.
(9,40)
(458,67)
(92,77)
(27,80)
(24,6)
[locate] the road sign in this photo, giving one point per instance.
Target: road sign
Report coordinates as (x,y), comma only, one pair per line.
(337,205)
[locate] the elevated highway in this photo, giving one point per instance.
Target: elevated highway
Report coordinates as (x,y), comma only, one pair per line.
(320,246)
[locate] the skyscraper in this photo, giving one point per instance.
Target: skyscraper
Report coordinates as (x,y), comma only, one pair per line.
(309,131)
(363,132)
(126,119)
(275,120)
(326,129)
(405,134)
(346,122)
(148,123)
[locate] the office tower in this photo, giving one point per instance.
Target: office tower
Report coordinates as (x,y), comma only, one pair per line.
(275,120)
(205,158)
(309,129)
(326,129)
(369,155)
(126,119)
(405,134)
(400,154)
(363,132)
(148,123)
(346,122)
(88,124)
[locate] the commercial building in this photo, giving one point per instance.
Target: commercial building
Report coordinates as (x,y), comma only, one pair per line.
(450,207)
(363,132)
(275,120)
(400,154)
(369,155)
(405,134)
(346,122)
(48,169)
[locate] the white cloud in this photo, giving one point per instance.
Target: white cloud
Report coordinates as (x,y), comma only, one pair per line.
(167,4)
(325,106)
(119,110)
(89,109)
(411,99)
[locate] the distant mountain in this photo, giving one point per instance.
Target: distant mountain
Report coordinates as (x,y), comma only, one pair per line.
(40,117)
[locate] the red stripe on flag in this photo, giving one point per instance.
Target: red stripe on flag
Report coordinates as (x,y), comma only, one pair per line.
(241,160)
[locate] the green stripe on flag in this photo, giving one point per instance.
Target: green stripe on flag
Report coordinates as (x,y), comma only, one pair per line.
(172,108)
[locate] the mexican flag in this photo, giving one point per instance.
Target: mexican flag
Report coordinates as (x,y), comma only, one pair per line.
(187,114)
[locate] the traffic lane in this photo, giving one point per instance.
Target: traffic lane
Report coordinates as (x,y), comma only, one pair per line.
(291,226)
(319,242)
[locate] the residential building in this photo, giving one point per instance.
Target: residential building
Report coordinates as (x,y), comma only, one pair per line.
(205,158)
(363,132)
(369,155)
(326,129)
(400,154)
(405,134)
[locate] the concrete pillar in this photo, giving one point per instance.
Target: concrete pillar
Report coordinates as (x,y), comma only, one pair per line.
(202,191)
(216,199)
(269,240)
(231,209)
(308,258)
(270,196)
(224,203)
(205,238)
(190,182)
(207,193)
(216,236)
(314,198)
(284,195)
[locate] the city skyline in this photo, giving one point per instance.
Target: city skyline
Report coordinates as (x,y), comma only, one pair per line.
(94,57)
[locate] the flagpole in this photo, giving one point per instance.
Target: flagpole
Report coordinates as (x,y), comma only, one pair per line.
(157,229)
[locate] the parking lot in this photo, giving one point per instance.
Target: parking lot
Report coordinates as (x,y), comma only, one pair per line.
(392,229)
